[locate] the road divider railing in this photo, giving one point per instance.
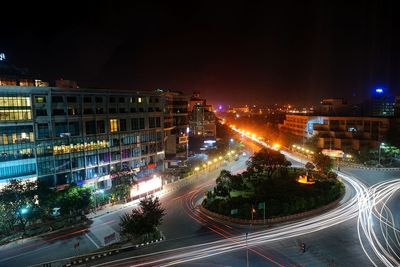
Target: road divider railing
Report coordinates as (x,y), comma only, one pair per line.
(87,258)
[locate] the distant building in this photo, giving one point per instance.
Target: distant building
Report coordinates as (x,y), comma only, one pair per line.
(244,109)
(381,104)
(12,76)
(202,121)
(397,107)
(345,133)
(61,83)
(333,106)
(196,100)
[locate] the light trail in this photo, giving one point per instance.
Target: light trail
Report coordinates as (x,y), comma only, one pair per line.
(367,205)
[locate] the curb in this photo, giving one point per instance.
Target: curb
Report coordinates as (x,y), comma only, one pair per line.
(83,259)
(271,221)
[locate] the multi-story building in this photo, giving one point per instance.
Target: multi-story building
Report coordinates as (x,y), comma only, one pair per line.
(79,135)
(202,122)
(397,107)
(196,100)
(176,127)
(382,105)
(345,133)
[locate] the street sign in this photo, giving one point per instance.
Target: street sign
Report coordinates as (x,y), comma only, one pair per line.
(234,211)
(261,205)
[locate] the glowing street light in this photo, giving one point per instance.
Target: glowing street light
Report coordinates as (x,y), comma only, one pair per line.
(23,211)
(197,169)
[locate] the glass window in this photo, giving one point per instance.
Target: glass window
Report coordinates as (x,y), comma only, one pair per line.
(99,110)
(60,128)
(43,130)
(88,111)
(121,110)
(139,100)
(40,99)
(41,112)
(122,125)
(113,125)
(135,124)
(112,110)
(101,127)
(133,110)
(58,111)
(152,122)
(121,100)
(72,111)
(90,127)
(87,99)
(57,99)
(71,99)
(74,128)
(112,99)
(99,99)
(141,123)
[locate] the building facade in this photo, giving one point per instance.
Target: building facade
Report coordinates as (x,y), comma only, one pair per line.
(79,135)
(176,128)
(382,105)
(202,122)
(344,133)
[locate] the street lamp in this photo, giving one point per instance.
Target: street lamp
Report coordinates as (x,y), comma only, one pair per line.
(23,211)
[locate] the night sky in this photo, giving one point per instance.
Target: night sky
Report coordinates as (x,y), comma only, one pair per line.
(233,53)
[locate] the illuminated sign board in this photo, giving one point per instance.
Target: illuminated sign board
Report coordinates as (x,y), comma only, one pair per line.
(2,56)
(333,153)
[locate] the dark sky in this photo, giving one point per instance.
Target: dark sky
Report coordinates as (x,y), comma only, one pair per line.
(236,53)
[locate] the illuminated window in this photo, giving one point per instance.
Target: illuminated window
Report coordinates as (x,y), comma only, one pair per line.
(139,100)
(40,99)
(113,125)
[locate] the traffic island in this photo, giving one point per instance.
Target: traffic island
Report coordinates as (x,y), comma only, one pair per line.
(271,192)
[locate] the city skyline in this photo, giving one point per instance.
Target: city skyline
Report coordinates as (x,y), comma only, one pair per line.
(270,51)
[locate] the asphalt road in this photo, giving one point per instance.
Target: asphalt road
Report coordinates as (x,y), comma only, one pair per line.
(179,228)
(338,245)
(184,227)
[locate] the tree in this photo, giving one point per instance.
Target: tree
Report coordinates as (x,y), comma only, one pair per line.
(237,182)
(18,202)
(267,161)
(74,199)
(143,220)
(324,163)
(309,166)
(122,181)
(46,196)
(223,183)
